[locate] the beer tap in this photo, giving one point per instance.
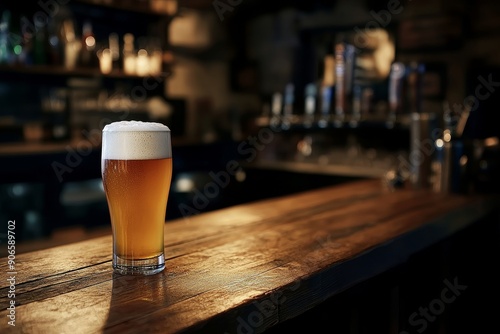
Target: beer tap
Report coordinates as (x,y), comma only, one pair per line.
(326,98)
(288,106)
(396,82)
(339,85)
(276,107)
(344,77)
(415,72)
(356,107)
(310,104)
(326,90)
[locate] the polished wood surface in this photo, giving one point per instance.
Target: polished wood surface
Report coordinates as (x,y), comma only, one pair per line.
(243,268)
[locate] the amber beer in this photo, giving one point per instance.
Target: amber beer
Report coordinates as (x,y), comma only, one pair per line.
(136,173)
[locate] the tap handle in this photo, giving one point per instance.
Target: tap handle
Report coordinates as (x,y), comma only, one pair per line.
(310,104)
(396,78)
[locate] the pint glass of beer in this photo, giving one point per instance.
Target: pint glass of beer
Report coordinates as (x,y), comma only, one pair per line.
(136,168)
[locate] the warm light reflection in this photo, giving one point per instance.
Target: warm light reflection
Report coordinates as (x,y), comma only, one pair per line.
(90,41)
(142,62)
(463,160)
(447,136)
(491,141)
(304,146)
(377,63)
(184,185)
(105,61)
(240,175)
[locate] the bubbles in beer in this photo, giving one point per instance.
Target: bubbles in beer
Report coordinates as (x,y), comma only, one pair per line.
(135,140)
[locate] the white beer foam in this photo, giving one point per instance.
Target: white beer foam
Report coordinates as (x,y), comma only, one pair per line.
(135,126)
(135,140)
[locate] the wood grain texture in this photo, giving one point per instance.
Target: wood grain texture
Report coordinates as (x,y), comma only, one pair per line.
(243,268)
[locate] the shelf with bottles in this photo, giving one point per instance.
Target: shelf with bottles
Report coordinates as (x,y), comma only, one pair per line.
(83,38)
(160,8)
(61,71)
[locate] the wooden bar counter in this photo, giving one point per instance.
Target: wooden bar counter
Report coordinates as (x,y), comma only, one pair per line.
(243,269)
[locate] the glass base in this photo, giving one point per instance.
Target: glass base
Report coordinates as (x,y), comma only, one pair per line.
(149,266)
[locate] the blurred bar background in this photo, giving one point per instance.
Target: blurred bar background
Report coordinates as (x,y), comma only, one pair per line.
(263,99)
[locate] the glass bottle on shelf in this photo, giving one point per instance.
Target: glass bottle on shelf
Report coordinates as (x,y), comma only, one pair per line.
(26,57)
(129,56)
(88,57)
(71,45)
(105,60)
(16,43)
(40,43)
(142,63)
(4,37)
(55,112)
(114,48)
(155,56)
(56,46)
